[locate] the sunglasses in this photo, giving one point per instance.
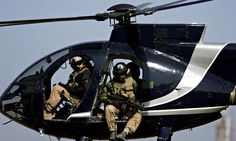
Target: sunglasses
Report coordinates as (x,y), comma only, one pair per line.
(79,62)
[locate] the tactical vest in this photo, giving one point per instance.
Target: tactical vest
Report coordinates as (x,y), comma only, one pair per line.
(72,79)
(125,89)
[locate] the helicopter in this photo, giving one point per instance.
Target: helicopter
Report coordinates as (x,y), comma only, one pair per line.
(165,48)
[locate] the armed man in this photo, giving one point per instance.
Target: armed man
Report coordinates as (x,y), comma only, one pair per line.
(119,97)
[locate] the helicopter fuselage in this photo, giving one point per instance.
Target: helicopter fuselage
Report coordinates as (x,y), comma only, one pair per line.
(185,82)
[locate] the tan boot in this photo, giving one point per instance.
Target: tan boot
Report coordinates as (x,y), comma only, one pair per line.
(48,115)
(112,136)
(121,136)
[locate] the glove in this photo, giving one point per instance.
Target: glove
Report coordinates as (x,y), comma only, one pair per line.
(61,84)
(105,100)
(67,87)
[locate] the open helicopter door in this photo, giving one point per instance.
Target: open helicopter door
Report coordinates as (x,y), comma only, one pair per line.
(58,73)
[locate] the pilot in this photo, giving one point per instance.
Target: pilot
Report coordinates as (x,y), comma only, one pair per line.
(124,85)
(73,90)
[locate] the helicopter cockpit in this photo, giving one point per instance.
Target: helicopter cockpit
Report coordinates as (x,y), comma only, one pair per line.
(26,96)
(25,90)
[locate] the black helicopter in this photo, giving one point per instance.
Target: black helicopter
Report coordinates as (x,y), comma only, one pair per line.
(176,66)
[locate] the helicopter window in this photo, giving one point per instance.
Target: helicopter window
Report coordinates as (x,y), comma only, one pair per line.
(61,75)
(126,61)
(41,65)
(69,85)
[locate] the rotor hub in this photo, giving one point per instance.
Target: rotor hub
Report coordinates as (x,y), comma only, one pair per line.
(122,8)
(122,13)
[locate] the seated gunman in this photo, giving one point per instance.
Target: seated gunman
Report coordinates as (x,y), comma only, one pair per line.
(119,98)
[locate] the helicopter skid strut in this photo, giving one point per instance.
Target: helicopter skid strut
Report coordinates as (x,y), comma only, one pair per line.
(164,133)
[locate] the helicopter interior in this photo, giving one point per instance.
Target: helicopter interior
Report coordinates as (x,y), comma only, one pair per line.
(65,108)
(40,77)
(29,92)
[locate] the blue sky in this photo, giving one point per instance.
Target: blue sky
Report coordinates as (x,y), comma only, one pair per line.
(23,45)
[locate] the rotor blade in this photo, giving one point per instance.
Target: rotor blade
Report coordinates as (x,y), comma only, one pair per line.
(151,10)
(171,3)
(183,4)
(98,17)
(141,6)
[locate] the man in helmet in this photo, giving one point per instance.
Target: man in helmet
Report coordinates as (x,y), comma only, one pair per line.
(73,90)
(124,85)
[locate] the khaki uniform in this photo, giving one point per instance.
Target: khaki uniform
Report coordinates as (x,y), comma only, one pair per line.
(111,112)
(55,97)
(73,91)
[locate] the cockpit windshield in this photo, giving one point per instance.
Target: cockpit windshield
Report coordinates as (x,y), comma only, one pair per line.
(18,97)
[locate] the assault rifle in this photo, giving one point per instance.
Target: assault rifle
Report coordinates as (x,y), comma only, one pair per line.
(124,103)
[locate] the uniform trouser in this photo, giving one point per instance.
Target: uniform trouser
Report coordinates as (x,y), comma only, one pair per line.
(55,98)
(111,112)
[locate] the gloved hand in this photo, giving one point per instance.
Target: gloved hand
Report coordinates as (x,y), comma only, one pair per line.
(105,100)
(61,84)
(131,100)
(67,87)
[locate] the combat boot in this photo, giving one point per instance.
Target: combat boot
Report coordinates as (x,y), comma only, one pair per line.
(121,136)
(112,136)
